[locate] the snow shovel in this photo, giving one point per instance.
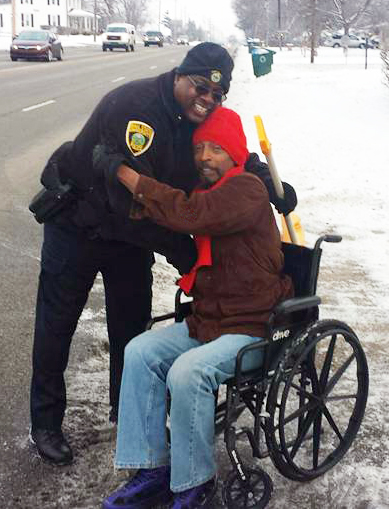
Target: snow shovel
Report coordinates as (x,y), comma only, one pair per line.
(292,230)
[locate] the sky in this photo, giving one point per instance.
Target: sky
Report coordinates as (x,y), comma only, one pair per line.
(216,15)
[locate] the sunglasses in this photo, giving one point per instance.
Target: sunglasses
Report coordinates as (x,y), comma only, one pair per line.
(204,89)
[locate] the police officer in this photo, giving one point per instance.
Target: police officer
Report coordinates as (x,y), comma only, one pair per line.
(150,122)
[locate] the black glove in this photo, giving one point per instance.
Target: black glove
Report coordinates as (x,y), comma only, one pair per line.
(185,256)
(286,204)
(106,163)
(283,205)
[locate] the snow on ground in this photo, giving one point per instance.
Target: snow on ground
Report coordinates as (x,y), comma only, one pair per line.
(328,123)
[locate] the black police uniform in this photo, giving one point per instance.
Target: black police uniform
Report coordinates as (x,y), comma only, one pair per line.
(142,121)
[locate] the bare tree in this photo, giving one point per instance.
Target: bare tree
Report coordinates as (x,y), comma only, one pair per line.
(134,11)
(107,10)
(252,17)
(347,13)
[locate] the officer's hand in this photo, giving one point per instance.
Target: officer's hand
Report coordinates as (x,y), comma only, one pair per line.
(255,166)
(106,163)
(288,203)
(285,205)
(185,256)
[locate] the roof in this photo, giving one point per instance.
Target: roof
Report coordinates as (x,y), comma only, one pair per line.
(79,13)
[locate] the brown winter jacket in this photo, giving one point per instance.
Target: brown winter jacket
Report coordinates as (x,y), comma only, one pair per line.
(245,281)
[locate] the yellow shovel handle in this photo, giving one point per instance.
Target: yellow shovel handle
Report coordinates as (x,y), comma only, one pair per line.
(266,150)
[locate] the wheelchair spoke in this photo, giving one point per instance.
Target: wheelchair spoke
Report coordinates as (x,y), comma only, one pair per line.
(342,396)
(335,379)
(304,392)
(313,375)
(316,439)
(297,413)
(332,423)
(304,430)
(327,363)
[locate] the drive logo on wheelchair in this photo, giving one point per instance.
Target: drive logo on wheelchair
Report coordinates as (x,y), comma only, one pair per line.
(284,334)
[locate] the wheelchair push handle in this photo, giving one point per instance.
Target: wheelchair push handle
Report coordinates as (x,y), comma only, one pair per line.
(327,238)
(332,238)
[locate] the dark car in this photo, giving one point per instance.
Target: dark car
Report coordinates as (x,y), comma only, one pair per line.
(36,45)
(152,37)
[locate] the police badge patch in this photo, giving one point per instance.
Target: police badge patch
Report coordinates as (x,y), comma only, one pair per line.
(139,137)
(216,76)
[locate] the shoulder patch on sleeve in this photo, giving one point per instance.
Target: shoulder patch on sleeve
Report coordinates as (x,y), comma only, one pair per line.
(139,137)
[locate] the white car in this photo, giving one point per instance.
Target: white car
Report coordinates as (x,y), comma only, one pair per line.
(183,39)
(119,35)
(353,41)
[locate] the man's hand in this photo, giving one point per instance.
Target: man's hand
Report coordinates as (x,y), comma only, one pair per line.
(128,177)
(283,205)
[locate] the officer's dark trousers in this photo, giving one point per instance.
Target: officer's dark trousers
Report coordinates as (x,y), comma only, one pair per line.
(70,263)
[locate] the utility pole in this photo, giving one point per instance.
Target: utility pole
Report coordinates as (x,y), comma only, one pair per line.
(313,30)
(13,18)
(279,24)
(159,16)
(94,20)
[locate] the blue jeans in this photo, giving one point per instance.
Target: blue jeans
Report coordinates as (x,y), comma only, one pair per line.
(168,358)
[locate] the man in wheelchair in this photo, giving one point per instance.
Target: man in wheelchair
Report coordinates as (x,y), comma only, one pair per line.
(235,284)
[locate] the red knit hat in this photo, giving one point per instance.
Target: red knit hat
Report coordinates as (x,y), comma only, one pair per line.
(224,128)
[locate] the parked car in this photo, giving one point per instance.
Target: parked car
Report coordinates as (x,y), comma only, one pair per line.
(183,39)
(153,38)
(354,41)
(375,40)
(119,35)
(36,45)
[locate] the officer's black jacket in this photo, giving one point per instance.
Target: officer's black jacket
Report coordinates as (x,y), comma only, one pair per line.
(103,208)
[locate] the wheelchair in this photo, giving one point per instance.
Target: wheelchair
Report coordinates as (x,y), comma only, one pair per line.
(307,400)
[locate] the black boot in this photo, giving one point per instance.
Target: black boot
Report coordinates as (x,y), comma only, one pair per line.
(52,446)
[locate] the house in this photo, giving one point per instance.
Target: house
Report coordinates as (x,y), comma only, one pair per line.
(58,15)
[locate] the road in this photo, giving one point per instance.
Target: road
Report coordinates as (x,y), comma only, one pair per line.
(41,105)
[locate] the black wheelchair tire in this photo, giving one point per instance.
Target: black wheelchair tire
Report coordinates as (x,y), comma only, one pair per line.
(236,496)
(298,371)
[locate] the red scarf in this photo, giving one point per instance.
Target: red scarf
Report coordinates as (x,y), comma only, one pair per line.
(203,242)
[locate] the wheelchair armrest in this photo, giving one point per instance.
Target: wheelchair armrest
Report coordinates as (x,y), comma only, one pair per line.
(296,304)
(258,345)
(151,322)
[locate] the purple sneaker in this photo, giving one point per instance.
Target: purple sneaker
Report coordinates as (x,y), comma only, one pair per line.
(198,497)
(147,489)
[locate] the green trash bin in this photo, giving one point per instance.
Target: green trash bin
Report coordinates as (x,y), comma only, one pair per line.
(262,60)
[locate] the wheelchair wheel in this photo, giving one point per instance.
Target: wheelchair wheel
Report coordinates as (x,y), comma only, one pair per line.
(316,400)
(253,495)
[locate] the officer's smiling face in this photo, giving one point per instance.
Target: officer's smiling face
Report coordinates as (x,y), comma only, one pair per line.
(197,96)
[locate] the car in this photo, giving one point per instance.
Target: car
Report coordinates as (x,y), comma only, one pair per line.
(36,45)
(153,38)
(375,40)
(183,39)
(119,35)
(353,41)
